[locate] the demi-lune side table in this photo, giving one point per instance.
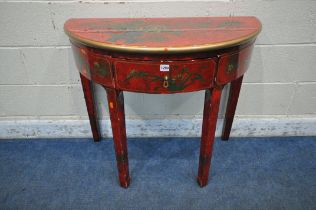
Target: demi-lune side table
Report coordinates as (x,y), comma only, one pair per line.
(163,56)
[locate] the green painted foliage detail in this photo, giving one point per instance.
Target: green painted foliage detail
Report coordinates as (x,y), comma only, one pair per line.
(229,24)
(233,63)
(101,68)
(132,37)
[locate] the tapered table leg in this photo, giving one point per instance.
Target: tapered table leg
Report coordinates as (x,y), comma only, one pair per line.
(210,114)
(117,116)
(89,98)
(231,107)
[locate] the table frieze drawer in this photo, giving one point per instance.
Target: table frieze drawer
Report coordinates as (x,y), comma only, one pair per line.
(96,67)
(233,65)
(164,76)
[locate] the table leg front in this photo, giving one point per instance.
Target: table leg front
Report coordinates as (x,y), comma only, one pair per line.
(117,116)
(231,107)
(210,114)
(89,98)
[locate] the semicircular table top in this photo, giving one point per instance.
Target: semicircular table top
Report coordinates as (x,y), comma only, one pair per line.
(163,34)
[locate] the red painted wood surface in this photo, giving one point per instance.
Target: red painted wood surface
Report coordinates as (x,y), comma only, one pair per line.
(210,114)
(127,54)
(117,115)
(163,33)
(233,65)
(96,67)
(82,60)
(164,77)
(92,113)
(231,107)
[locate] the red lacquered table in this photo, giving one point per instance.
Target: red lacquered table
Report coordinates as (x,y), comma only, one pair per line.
(163,56)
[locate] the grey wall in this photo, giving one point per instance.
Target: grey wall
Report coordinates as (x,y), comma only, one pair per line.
(39,79)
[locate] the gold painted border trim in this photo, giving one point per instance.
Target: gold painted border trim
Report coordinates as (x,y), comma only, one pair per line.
(164,50)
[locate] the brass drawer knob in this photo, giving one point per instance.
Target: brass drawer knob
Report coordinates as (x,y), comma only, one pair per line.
(165,83)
